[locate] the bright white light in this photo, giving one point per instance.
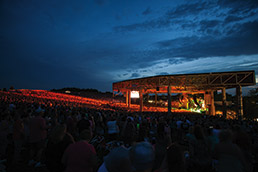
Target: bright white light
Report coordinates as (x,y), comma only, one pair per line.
(135,94)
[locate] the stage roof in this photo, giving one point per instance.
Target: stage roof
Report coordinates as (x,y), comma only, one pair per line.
(195,83)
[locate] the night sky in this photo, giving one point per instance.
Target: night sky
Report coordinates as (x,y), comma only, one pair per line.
(46,44)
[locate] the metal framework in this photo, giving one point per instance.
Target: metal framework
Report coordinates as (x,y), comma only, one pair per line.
(189,83)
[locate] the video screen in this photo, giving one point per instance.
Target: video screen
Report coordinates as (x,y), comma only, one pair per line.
(135,94)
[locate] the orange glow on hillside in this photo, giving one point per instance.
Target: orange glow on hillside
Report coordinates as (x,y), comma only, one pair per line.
(49,98)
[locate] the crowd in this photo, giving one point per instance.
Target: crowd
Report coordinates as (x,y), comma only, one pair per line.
(68,137)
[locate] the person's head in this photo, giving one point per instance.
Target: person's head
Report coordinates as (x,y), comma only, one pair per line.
(39,113)
(17,116)
(58,133)
(85,116)
(198,132)
(225,136)
(242,140)
(118,160)
(175,158)
(142,157)
(86,135)
(160,130)
(191,130)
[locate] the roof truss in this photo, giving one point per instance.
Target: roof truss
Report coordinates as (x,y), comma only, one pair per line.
(188,82)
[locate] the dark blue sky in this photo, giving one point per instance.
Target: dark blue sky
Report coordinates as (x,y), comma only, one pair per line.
(47,44)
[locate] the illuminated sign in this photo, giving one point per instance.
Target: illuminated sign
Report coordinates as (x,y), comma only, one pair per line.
(135,94)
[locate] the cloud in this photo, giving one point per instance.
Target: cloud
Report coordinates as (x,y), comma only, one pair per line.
(239,6)
(169,18)
(186,10)
(162,73)
(135,75)
(210,26)
(201,65)
(176,60)
(243,41)
(100,2)
(237,39)
(188,15)
(232,18)
(147,25)
(147,11)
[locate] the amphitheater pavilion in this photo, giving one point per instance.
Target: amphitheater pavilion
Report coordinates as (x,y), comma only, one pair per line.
(201,83)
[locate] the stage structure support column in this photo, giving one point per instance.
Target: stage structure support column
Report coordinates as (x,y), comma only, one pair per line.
(141,100)
(239,102)
(156,99)
(224,105)
(129,98)
(212,103)
(209,102)
(126,97)
(169,100)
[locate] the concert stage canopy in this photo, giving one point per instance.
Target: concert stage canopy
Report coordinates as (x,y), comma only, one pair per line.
(188,82)
(200,83)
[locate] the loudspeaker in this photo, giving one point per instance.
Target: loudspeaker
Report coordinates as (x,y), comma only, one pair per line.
(157,88)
